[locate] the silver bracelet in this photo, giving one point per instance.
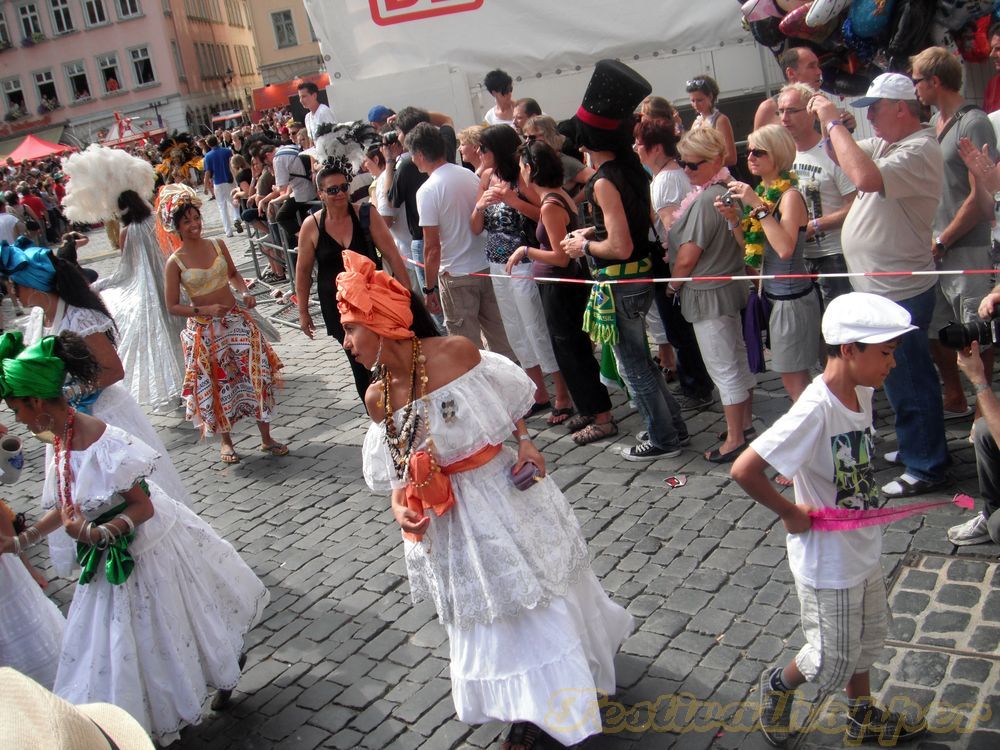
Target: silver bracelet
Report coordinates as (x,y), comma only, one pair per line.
(980,387)
(105,537)
(128,522)
(38,534)
(17,544)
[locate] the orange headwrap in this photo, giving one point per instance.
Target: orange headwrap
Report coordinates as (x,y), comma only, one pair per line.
(373,298)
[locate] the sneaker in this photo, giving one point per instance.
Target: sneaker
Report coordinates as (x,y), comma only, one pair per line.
(646,451)
(695,403)
(868,723)
(973,531)
(683,440)
(775,710)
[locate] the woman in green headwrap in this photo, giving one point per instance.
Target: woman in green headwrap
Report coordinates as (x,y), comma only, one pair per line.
(161,596)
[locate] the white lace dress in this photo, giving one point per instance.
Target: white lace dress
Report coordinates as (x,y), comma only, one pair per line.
(115,406)
(31,626)
(149,338)
(157,643)
(532,633)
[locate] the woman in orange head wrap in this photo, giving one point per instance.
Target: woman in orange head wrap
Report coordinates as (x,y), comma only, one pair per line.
(505,565)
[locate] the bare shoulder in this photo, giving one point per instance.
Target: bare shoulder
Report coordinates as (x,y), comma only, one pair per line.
(448,357)
(373,402)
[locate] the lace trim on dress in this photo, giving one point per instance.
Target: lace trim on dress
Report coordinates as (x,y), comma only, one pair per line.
(84,322)
(112,465)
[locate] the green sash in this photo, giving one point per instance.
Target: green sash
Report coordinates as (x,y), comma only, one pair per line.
(599,319)
(119,564)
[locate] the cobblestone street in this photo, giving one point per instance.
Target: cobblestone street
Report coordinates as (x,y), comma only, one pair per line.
(343,659)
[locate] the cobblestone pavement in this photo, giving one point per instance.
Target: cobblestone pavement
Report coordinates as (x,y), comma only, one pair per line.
(343,659)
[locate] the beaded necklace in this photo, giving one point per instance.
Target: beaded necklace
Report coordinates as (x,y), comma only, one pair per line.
(401,441)
(753,231)
(63,450)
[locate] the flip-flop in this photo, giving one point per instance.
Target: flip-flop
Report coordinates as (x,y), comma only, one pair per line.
(274,449)
(748,434)
(724,458)
(229,457)
(559,416)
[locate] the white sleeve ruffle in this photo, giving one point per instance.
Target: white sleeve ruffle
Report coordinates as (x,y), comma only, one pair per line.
(380,474)
(111,465)
(84,322)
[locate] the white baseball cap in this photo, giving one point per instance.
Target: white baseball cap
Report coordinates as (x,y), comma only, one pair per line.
(859,317)
(888,86)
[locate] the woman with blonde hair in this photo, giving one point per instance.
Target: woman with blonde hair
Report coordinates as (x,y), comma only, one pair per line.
(468,147)
(771,227)
(701,244)
(576,174)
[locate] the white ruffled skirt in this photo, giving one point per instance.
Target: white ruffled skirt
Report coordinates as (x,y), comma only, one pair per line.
(532,633)
(158,643)
(31,626)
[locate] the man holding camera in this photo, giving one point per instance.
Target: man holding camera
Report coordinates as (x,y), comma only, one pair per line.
(984,526)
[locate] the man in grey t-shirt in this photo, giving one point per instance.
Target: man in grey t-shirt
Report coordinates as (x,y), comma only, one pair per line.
(961,237)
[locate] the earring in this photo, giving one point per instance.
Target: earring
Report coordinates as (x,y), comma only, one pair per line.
(377,366)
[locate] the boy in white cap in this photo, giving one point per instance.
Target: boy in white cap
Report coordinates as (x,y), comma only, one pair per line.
(825,444)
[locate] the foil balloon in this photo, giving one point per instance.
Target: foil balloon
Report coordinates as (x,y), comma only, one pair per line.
(972,41)
(822,12)
(870,18)
(954,14)
(768,33)
(909,31)
(758,10)
(794,26)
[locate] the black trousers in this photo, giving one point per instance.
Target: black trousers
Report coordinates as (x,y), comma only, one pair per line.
(564,305)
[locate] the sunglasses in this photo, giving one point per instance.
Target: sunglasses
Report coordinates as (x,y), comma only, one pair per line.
(756,153)
(530,138)
(695,83)
(334,189)
(790,110)
(690,164)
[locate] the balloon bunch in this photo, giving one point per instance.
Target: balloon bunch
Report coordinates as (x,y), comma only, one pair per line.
(857,40)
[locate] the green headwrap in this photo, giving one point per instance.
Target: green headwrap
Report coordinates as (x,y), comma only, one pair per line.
(30,372)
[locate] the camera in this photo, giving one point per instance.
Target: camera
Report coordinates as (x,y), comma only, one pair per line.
(961,335)
(728,199)
(390,138)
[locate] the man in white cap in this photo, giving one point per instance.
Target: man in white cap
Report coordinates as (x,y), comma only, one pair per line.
(899,176)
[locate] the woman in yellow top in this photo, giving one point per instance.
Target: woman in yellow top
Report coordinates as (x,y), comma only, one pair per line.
(230,369)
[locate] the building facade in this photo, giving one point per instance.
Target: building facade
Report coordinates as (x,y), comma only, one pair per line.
(67,66)
(287,49)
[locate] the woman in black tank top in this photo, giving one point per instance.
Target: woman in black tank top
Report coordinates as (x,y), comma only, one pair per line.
(321,241)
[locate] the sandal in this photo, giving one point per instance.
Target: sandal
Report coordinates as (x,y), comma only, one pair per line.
(748,434)
(537,408)
(578,422)
(274,449)
(594,432)
(523,734)
(229,457)
(717,457)
(222,697)
(558,416)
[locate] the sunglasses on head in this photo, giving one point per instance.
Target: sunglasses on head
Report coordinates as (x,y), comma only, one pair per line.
(695,83)
(756,152)
(690,164)
(334,189)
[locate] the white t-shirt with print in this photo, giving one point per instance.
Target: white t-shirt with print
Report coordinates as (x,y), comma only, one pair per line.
(828,450)
(446,201)
(823,184)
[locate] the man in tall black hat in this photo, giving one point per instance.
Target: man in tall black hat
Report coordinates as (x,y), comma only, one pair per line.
(618,248)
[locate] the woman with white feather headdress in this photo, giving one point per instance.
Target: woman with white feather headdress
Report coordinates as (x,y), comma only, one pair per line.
(106,184)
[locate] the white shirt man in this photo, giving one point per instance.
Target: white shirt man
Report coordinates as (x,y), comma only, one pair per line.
(452,252)
(827,190)
(316,112)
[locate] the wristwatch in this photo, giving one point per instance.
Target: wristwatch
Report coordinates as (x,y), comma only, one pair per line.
(429,290)
(586,247)
(980,387)
(761,213)
(939,245)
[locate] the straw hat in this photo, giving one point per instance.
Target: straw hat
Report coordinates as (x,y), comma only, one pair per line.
(32,718)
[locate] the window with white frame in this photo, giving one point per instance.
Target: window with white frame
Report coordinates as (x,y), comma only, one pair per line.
(4,33)
(14,97)
(142,66)
(62,20)
(76,76)
(111,79)
(128,8)
(31,24)
(45,85)
(94,12)
(284,29)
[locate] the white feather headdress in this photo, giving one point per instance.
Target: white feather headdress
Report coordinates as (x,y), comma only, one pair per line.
(345,142)
(97,176)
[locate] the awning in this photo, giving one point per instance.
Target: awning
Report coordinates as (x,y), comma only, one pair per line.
(277,94)
(52,134)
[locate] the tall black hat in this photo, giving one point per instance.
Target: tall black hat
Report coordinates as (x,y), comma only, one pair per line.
(614,91)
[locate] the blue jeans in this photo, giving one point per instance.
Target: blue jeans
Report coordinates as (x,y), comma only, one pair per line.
(914,391)
(657,406)
(417,254)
